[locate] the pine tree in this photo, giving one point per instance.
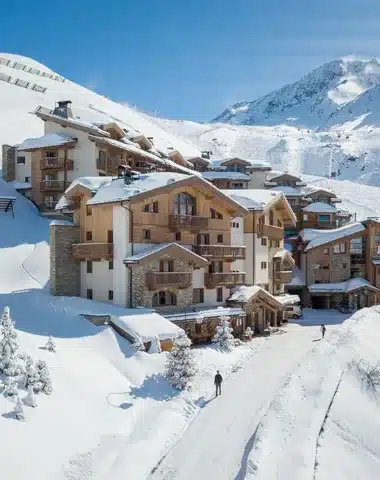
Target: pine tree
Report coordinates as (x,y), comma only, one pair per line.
(31,377)
(18,409)
(11,388)
(180,366)
(9,362)
(30,399)
(50,345)
(223,337)
(43,377)
(155,346)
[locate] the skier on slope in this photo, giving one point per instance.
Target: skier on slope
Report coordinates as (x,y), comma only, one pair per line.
(323,330)
(218,383)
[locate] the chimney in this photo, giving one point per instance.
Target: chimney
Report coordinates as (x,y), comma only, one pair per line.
(63,109)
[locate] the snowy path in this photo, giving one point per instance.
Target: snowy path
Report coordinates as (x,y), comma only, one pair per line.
(219,441)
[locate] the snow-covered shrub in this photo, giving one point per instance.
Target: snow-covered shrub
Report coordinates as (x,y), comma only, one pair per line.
(44,379)
(18,409)
(180,366)
(248,331)
(31,377)
(223,337)
(30,399)
(11,387)
(9,361)
(368,373)
(155,346)
(50,345)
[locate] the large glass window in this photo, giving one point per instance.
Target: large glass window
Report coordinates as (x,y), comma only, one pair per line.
(323,218)
(184,204)
(164,298)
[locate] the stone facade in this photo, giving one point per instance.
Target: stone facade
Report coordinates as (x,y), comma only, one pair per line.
(9,163)
(332,267)
(64,268)
(142,296)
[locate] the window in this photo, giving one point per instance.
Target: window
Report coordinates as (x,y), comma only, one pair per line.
(305,217)
(177,236)
(110,236)
(325,267)
(89,293)
(323,218)
(219,294)
(110,294)
(292,201)
(20,160)
(198,295)
(215,267)
(89,266)
(27,179)
(263,265)
(235,225)
(340,248)
(146,234)
(237,186)
(50,154)
(151,207)
(166,265)
(184,204)
(203,239)
(89,236)
(215,214)
(271,217)
(263,241)
(377,238)
(326,251)
(110,265)
(279,224)
(88,211)
(220,238)
(277,243)
(344,265)
(164,298)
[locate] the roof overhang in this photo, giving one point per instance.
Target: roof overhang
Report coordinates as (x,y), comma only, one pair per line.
(171,251)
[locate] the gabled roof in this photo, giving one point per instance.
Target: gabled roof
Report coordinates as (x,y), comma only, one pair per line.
(246,294)
(224,162)
(47,140)
(284,254)
(273,176)
(214,175)
(172,250)
(320,207)
(348,286)
(317,238)
(288,191)
(311,190)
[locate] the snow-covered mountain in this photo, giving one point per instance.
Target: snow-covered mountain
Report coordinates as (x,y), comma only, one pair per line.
(314,99)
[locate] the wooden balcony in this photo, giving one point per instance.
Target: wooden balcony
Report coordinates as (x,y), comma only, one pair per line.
(156,280)
(53,186)
(223,252)
(229,279)
(93,251)
(283,276)
(188,222)
(56,164)
(272,232)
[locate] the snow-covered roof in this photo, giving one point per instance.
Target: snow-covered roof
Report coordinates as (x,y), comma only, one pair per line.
(252,199)
(345,287)
(117,190)
(21,185)
(309,189)
(152,250)
(211,175)
(298,278)
(288,299)
(146,324)
(288,191)
(199,313)
(284,253)
(320,237)
(47,140)
(65,223)
(320,207)
(245,293)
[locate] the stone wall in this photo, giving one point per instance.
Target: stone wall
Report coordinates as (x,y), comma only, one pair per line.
(64,269)
(338,265)
(9,163)
(143,297)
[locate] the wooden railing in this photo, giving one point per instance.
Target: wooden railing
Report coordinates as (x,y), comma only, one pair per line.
(283,276)
(213,280)
(50,163)
(53,186)
(189,222)
(93,251)
(225,252)
(156,280)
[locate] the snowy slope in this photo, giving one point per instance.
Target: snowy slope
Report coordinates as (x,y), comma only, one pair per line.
(308,102)
(16,122)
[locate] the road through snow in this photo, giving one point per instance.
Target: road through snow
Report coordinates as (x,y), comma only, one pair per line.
(218,442)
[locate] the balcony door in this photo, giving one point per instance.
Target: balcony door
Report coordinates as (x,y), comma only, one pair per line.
(184,204)
(215,267)
(203,239)
(166,266)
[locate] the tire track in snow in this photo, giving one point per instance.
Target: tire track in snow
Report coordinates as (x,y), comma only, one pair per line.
(25,269)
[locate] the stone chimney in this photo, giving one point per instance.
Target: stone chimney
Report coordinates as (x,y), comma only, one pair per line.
(63,109)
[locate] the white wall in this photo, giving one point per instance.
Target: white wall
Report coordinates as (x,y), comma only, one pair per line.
(100,280)
(22,171)
(121,249)
(261,255)
(257,179)
(248,262)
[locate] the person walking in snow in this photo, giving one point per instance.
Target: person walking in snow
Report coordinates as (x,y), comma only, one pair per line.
(218,383)
(323,330)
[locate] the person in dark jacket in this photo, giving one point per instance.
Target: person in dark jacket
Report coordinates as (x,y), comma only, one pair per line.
(218,383)
(323,330)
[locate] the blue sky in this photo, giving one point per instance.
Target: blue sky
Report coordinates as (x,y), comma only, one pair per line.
(188,59)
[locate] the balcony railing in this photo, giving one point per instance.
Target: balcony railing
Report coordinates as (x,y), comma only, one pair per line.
(156,280)
(93,251)
(213,280)
(272,232)
(188,222)
(56,164)
(283,276)
(225,252)
(53,186)
(47,207)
